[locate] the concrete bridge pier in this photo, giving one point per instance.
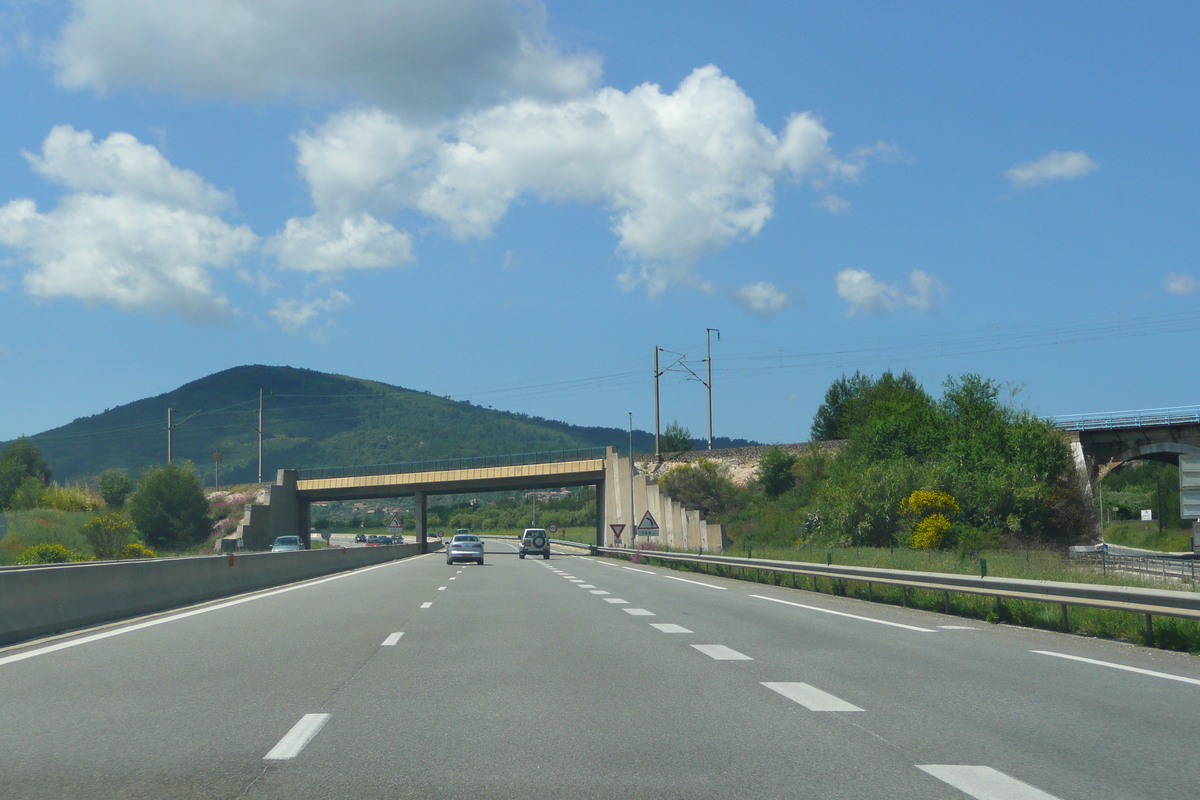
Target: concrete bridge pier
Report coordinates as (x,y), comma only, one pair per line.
(422,521)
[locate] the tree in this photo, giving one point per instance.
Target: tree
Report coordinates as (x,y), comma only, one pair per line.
(676,439)
(115,487)
(830,421)
(108,534)
(28,495)
(703,485)
(169,507)
(20,460)
(775,472)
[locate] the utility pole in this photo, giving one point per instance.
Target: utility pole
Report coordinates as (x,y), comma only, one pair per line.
(657,375)
(260,433)
(170,428)
(708,336)
(632,523)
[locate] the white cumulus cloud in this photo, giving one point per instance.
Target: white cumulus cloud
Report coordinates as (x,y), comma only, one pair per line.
(1180,284)
(401,53)
(868,296)
(680,174)
(1053,166)
(359,242)
(136,231)
(761,297)
(293,314)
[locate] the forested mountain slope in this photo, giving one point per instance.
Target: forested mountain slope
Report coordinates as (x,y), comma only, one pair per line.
(310,419)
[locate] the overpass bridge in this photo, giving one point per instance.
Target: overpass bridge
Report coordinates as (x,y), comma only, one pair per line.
(1100,443)
(287,510)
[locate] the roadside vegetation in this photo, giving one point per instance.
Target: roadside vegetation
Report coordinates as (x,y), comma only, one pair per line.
(163,512)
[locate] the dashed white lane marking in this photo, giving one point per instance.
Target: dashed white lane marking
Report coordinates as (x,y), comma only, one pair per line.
(697,583)
(453,579)
(586,585)
(613,600)
(984,783)
(598,591)
(638,612)
(957,628)
(720,652)
(96,637)
(811,697)
(576,580)
(669,627)
(441,588)
(391,640)
(1110,665)
(426,605)
(606,564)
(635,569)
(299,736)
(844,614)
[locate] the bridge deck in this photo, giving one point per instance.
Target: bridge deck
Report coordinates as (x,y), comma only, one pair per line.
(1144,418)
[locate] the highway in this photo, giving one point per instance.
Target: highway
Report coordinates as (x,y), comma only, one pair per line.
(578,677)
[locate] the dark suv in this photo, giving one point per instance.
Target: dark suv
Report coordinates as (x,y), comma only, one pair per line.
(535,540)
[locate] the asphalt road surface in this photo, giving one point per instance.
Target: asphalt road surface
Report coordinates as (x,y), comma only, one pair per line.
(586,678)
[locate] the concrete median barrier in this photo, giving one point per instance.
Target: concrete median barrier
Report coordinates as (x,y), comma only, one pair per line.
(52,598)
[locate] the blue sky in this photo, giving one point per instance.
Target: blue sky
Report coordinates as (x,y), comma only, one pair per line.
(514,203)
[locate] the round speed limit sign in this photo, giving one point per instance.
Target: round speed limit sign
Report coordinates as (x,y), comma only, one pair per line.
(552,527)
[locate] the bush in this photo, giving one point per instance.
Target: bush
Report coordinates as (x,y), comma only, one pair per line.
(169,508)
(69,498)
(28,494)
(21,459)
(108,534)
(775,472)
(137,550)
(50,553)
(115,487)
(929,532)
(702,485)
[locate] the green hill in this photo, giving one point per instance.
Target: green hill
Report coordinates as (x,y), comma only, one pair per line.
(310,419)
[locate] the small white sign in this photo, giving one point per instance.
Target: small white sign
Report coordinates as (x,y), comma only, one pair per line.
(1147,515)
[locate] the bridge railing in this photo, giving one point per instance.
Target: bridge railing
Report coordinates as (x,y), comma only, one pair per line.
(444,464)
(1144,418)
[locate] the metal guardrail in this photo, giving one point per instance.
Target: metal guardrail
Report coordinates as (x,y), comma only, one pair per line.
(443,464)
(1145,418)
(1150,602)
(1157,566)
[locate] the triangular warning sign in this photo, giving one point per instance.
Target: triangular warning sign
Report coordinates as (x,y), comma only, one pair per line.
(647,525)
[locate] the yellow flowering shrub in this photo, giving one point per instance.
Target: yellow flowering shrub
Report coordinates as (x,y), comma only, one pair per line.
(930,531)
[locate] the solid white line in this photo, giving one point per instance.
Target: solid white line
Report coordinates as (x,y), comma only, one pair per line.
(844,614)
(811,697)
(426,605)
(984,783)
(614,600)
(295,739)
(391,640)
(95,637)
(698,583)
(598,591)
(670,627)
(635,569)
(1139,671)
(638,612)
(957,628)
(720,652)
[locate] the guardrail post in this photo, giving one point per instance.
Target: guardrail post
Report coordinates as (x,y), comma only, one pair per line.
(904,596)
(870,592)
(815,589)
(947,599)
(1149,630)
(1066,622)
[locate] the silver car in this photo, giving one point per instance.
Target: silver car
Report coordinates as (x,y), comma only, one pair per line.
(285,544)
(465,547)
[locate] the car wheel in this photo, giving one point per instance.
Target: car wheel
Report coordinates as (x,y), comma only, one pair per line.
(480,562)
(520,555)
(546,556)
(448,562)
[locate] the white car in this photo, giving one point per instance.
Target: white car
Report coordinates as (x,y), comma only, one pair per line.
(535,541)
(286,544)
(465,547)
